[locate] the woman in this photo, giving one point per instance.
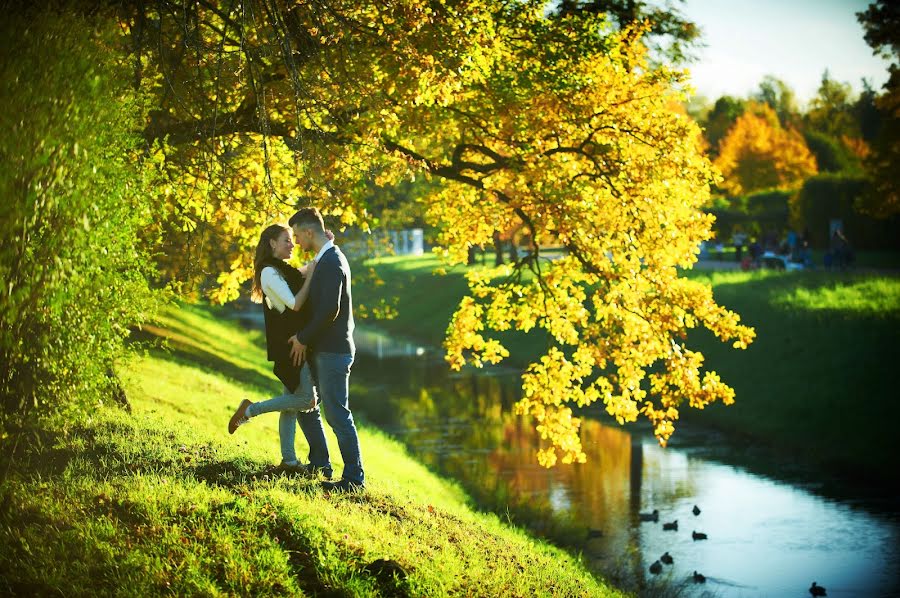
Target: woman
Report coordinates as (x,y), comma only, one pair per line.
(283,291)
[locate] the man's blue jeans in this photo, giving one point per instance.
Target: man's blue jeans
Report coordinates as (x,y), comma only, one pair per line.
(332,372)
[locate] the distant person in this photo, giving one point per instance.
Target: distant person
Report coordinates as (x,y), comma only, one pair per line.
(841,254)
(746,263)
(804,254)
(804,248)
(756,252)
(738,239)
(784,248)
(805,240)
(284,291)
(792,241)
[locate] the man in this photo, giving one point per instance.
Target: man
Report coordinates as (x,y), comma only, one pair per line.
(327,342)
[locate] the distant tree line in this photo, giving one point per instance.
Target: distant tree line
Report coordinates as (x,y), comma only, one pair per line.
(837,158)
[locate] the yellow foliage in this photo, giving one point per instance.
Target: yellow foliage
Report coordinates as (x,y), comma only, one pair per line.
(757,154)
(620,183)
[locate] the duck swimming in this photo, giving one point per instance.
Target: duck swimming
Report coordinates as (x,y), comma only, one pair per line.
(654,516)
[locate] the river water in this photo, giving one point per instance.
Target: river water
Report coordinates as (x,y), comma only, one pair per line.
(773,528)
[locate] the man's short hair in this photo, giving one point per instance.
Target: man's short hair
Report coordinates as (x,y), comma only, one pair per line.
(308,217)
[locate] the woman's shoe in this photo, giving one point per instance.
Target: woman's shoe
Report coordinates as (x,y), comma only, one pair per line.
(240,416)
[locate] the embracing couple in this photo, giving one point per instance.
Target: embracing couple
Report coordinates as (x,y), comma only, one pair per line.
(309,336)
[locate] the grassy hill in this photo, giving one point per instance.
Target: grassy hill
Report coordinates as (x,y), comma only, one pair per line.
(161,500)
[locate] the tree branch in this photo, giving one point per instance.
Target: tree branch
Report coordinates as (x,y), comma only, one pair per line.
(241,120)
(453,173)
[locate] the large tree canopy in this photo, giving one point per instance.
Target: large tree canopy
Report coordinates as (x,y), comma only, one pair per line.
(556,124)
(671,35)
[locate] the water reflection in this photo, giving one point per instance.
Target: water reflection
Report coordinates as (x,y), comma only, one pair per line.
(766,538)
(382,346)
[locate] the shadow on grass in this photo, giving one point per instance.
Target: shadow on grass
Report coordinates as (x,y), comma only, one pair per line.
(120,449)
(298,543)
(39,453)
(183,353)
(233,474)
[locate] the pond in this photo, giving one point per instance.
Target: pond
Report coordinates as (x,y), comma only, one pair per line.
(771,530)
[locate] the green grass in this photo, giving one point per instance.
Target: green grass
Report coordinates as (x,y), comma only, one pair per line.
(426,300)
(866,260)
(819,380)
(817,384)
(859,297)
(163,501)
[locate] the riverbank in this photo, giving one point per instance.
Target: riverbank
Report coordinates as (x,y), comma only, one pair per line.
(816,385)
(161,500)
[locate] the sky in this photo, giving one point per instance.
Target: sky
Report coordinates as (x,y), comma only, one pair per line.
(794,40)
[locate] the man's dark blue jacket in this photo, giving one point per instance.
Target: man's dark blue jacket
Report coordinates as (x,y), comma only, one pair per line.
(330,327)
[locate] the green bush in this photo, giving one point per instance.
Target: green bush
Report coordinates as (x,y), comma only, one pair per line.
(769,207)
(831,196)
(75,197)
(831,155)
(755,214)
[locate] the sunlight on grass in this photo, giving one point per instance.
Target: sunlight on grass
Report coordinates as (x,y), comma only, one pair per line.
(816,291)
(164,501)
(872,296)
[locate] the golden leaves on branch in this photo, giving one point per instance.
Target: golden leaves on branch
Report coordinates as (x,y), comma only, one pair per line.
(620,183)
(627,351)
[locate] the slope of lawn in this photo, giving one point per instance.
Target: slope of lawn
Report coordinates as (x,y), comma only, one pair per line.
(161,500)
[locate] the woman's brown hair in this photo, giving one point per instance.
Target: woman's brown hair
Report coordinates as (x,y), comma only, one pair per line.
(264,253)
